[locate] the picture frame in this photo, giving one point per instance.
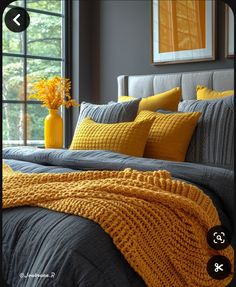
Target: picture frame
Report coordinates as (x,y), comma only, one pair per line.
(229,32)
(170,44)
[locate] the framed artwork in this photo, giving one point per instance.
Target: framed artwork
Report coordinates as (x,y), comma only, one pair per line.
(182,31)
(229,32)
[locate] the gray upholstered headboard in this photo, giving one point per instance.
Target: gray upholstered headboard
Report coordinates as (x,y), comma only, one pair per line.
(147,85)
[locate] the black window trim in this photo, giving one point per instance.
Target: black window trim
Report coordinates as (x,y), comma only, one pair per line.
(38,11)
(67,32)
(32,56)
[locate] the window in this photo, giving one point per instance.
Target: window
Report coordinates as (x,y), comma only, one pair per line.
(36,52)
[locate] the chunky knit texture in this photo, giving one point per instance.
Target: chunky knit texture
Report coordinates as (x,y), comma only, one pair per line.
(169,135)
(159,224)
(127,138)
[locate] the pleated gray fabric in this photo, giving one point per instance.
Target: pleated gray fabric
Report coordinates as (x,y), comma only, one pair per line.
(213,140)
(110,113)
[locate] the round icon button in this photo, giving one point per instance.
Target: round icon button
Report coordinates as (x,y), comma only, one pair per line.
(17,19)
(218,237)
(219,267)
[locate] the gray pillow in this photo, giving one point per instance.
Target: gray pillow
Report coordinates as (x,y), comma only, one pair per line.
(213,140)
(166,111)
(110,113)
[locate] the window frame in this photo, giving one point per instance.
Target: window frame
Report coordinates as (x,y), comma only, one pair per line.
(65,60)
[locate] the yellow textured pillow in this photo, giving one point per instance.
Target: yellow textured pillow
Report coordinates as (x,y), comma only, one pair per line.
(168,100)
(203,93)
(170,134)
(127,138)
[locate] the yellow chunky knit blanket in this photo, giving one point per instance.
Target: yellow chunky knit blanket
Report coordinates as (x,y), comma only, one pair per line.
(159,224)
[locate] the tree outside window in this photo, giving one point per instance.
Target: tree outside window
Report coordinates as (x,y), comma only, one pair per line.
(35,53)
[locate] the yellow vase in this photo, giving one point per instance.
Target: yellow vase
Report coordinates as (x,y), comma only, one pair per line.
(53,130)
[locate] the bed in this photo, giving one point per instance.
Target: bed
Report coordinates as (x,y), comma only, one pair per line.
(72,250)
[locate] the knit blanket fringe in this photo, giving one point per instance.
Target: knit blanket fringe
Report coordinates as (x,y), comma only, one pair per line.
(159,224)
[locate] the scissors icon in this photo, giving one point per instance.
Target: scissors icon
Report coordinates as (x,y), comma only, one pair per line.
(218,267)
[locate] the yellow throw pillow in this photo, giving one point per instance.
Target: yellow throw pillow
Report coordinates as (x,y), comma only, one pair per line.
(203,93)
(170,134)
(127,138)
(168,100)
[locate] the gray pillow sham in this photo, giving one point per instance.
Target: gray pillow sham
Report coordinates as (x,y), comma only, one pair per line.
(213,140)
(110,113)
(167,111)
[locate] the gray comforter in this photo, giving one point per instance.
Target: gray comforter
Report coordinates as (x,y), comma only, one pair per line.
(74,251)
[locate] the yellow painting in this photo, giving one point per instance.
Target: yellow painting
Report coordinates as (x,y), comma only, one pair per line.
(183,30)
(182,25)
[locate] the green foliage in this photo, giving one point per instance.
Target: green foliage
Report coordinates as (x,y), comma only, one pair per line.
(47,5)
(44,38)
(44,35)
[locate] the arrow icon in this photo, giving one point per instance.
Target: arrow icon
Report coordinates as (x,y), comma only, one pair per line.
(15,19)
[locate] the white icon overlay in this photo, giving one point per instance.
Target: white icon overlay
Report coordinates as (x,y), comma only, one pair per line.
(219,237)
(15,19)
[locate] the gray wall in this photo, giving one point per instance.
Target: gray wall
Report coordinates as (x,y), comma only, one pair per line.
(125,45)
(85,32)
(114,39)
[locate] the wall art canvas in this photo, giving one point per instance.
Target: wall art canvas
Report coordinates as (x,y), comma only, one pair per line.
(183,31)
(229,32)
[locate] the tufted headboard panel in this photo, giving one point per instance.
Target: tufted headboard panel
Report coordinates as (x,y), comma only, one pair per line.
(148,85)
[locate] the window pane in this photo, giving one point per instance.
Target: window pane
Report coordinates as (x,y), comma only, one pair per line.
(44,38)
(35,124)
(12,42)
(13,87)
(38,69)
(43,68)
(46,5)
(44,35)
(13,124)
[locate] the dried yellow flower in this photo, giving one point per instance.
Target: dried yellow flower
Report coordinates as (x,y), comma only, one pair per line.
(53,93)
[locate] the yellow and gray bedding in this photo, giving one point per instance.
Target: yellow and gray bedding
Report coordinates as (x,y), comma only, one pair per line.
(159,224)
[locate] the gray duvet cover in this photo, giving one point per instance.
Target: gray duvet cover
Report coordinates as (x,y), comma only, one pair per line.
(74,251)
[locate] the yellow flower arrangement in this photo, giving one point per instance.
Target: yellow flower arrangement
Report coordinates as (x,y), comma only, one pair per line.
(53,93)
